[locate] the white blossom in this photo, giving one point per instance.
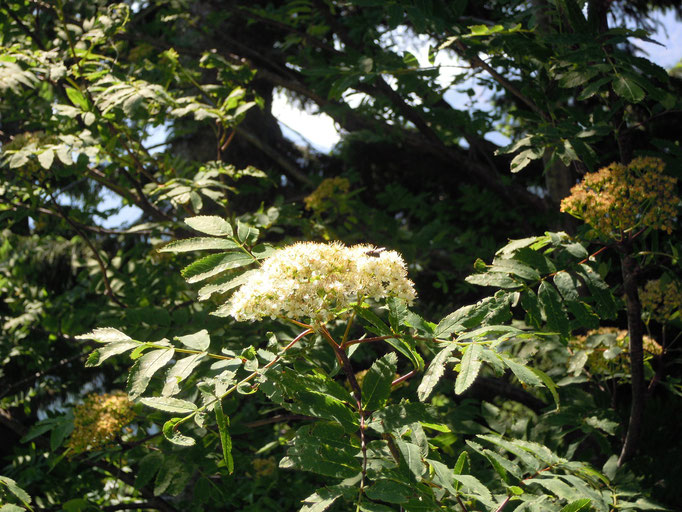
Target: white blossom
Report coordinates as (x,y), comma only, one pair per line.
(316,282)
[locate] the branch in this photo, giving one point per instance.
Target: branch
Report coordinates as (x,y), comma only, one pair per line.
(30,33)
(476,61)
(629,271)
(286,164)
(100,262)
(40,374)
(129,478)
(280,418)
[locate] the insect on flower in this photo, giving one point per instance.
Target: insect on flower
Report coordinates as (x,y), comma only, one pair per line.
(374,253)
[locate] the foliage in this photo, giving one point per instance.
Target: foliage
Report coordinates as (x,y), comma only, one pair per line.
(299,331)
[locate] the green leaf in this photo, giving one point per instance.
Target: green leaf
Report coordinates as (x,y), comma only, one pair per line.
(77,98)
(577,77)
(376,386)
(523,373)
(17,491)
(628,89)
(379,327)
(206,291)
(514,267)
(493,279)
(101,354)
(10,507)
(246,234)
(321,499)
(225,439)
(144,368)
(434,372)
(605,303)
(557,319)
(172,433)
(167,404)
(46,158)
(567,284)
(577,250)
(549,383)
(179,372)
(148,467)
(370,506)
(531,304)
(172,477)
(451,481)
(412,455)
(210,225)
(593,88)
(515,245)
(470,366)
(397,313)
(199,244)
(325,449)
(473,485)
(214,264)
(325,407)
(525,454)
(584,314)
(62,429)
(104,335)
(389,491)
(577,506)
(200,340)
(395,417)
(454,322)
(263,251)
(521,161)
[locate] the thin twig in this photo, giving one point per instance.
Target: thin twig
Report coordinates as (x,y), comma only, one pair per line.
(100,262)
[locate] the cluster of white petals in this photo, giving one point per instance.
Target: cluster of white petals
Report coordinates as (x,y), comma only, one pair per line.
(312,281)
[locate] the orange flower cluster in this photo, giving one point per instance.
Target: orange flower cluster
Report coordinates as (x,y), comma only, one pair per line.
(264,467)
(607,350)
(620,198)
(330,190)
(99,419)
(660,300)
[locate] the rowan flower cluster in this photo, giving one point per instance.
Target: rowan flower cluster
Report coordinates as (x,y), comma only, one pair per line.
(620,198)
(607,349)
(330,188)
(660,300)
(99,419)
(313,281)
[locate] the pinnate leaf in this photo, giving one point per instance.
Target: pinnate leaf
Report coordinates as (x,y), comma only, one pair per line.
(434,372)
(225,439)
(628,89)
(144,368)
(210,225)
(199,244)
(376,386)
(104,335)
(470,366)
(172,433)
(168,404)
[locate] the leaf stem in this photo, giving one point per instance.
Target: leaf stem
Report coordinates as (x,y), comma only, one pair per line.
(357,392)
(247,378)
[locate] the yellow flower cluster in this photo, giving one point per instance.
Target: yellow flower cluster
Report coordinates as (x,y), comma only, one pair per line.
(329,189)
(607,349)
(660,299)
(99,419)
(264,467)
(621,198)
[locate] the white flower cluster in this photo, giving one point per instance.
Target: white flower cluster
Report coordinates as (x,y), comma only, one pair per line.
(312,281)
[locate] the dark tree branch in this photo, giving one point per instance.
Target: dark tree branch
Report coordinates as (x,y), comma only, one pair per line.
(629,271)
(103,268)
